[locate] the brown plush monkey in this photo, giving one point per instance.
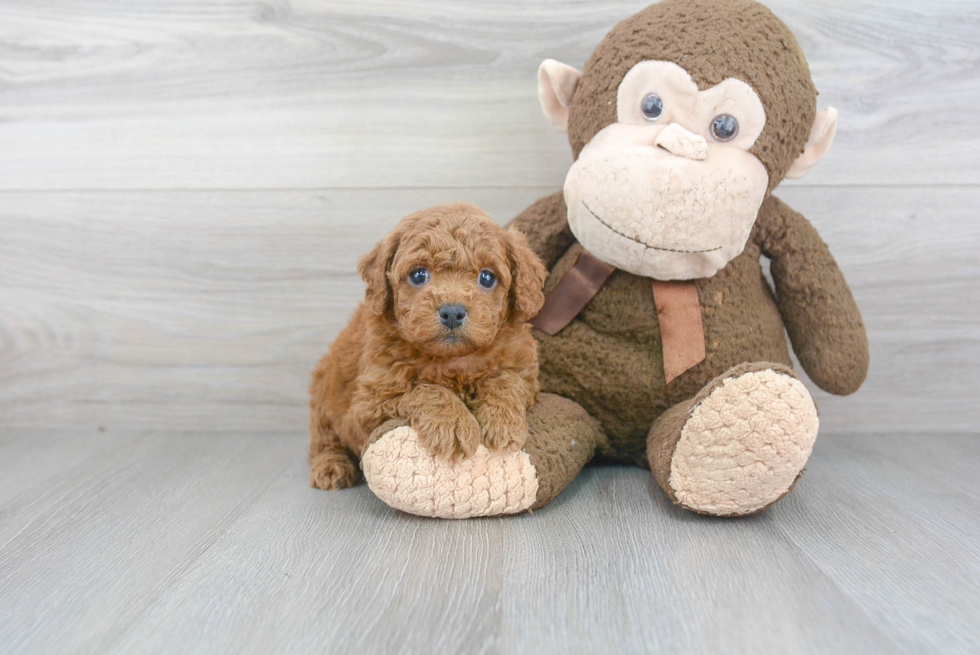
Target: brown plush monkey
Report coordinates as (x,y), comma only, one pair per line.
(661,344)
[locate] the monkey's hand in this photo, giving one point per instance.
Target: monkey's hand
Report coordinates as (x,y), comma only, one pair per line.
(821,316)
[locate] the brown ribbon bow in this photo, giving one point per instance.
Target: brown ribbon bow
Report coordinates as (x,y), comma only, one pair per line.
(678,311)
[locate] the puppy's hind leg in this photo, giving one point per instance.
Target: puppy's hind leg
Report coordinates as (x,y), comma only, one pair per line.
(331,464)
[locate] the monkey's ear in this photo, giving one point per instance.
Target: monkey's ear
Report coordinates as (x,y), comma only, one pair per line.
(821,136)
(373,268)
(556,87)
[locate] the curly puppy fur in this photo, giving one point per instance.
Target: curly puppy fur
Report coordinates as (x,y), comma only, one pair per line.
(397,358)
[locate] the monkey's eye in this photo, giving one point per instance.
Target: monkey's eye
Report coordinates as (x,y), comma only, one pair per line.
(418,277)
(724,127)
(652,106)
(487,279)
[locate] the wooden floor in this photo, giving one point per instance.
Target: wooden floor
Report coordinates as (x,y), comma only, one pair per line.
(193,543)
(185,188)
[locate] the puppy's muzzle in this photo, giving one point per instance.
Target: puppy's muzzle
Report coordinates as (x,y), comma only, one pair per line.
(452,316)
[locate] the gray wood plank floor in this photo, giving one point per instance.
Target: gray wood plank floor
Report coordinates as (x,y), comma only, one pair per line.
(184,542)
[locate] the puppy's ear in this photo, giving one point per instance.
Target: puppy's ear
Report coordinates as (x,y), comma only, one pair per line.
(373,268)
(528,275)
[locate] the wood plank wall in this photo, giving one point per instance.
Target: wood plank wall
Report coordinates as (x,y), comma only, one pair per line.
(185,188)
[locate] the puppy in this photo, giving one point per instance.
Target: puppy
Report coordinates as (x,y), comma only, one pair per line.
(441,339)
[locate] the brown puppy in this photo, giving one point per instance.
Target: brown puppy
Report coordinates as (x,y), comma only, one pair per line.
(441,339)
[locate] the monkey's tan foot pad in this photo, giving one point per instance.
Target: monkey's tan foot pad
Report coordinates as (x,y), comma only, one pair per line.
(744,445)
(406,476)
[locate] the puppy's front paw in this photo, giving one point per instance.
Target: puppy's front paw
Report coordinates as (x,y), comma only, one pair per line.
(333,470)
(448,433)
(502,429)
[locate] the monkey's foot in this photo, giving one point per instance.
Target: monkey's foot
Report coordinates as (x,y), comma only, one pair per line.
(406,476)
(744,443)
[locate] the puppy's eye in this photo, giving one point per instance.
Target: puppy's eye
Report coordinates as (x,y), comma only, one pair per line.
(652,106)
(487,279)
(724,127)
(418,277)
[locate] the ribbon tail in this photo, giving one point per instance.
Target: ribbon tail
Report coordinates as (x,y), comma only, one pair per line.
(681,328)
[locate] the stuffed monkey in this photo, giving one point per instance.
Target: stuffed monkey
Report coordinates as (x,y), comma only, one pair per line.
(661,344)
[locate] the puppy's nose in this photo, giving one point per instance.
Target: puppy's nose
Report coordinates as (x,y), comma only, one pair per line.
(452,316)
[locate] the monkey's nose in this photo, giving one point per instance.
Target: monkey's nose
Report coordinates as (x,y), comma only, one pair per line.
(452,316)
(681,142)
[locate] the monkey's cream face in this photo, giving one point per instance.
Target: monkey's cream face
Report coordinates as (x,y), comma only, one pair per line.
(670,190)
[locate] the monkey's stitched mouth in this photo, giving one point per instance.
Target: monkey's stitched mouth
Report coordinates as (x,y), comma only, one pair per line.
(646,245)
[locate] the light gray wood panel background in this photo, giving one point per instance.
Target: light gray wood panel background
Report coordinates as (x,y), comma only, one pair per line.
(207,309)
(244,94)
(184,188)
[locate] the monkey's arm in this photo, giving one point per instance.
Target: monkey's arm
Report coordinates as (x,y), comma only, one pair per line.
(822,319)
(545,223)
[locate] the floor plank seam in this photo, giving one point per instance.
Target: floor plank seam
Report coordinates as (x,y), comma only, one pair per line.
(176,575)
(134,443)
(871,624)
